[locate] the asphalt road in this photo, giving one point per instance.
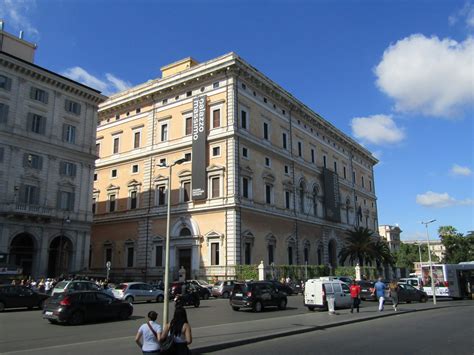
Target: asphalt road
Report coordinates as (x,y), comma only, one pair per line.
(26,330)
(442,331)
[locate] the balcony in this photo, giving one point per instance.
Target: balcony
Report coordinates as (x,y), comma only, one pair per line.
(19,210)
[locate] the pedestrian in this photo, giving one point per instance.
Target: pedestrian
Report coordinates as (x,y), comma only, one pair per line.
(148,335)
(380,293)
(355,296)
(394,288)
(180,331)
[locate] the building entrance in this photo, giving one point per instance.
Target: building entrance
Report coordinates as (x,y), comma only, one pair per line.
(22,252)
(60,257)
(184,260)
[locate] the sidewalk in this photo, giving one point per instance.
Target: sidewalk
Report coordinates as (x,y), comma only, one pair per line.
(214,338)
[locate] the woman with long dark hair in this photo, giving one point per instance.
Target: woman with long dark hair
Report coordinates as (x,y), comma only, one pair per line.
(180,330)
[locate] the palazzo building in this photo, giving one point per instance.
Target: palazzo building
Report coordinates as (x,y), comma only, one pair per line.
(265,177)
(47,153)
(391,234)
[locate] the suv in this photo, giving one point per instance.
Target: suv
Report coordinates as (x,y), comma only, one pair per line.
(137,291)
(223,288)
(256,296)
(74,285)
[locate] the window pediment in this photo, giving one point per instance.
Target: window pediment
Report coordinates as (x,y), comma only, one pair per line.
(184,173)
(133,183)
(215,167)
(268,177)
(112,187)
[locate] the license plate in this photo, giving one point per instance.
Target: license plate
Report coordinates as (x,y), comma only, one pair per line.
(238,295)
(48,313)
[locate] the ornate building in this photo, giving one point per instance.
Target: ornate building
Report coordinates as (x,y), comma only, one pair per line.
(265,177)
(47,153)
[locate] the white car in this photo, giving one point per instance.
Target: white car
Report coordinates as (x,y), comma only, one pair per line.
(137,291)
(316,292)
(74,285)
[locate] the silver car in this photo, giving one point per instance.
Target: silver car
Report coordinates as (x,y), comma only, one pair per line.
(137,291)
(223,288)
(74,285)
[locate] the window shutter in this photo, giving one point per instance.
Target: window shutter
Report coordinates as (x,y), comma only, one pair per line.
(71,201)
(8,84)
(25,160)
(66,105)
(42,124)
(78,109)
(46,97)
(58,200)
(3,113)
(40,163)
(62,168)
(22,194)
(29,120)
(32,92)
(73,172)
(65,132)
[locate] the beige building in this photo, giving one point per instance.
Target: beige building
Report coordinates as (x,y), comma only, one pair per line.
(391,234)
(273,182)
(436,247)
(47,153)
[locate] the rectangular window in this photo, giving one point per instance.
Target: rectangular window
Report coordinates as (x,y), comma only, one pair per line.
(215,85)
(216,151)
(287,169)
(324,161)
(353,177)
(344,172)
(312,155)
(32,161)
(248,248)
(290,255)
(335,167)
(214,253)
(112,203)
(370,185)
(186,191)
(284,140)
(268,193)
(69,133)
(362,181)
(243,119)
(2,153)
(267,161)
(94,205)
(300,149)
(97,149)
(164,132)
(116,145)
(134,168)
(39,95)
(245,152)
(108,254)
(133,200)
(216,118)
(287,200)
(163,162)
(67,169)
(5,83)
(245,187)
(29,194)
(265,130)
(270,254)
(73,107)
(36,123)
(66,200)
(215,187)
(159,255)
(161,195)
(136,139)
(188,126)
(3,113)
(187,156)
(130,256)
(113,173)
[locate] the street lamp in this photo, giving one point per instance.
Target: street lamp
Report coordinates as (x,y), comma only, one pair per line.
(429,259)
(67,220)
(421,263)
(167,246)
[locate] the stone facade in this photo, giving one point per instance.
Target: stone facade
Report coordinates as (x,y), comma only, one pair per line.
(391,234)
(267,160)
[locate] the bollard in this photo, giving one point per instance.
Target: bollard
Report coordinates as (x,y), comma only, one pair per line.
(331,300)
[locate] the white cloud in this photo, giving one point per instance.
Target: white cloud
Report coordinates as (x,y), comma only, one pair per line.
(460,170)
(440,200)
(428,75)
(15,14)
(466,14)
(108,86)
(377,129)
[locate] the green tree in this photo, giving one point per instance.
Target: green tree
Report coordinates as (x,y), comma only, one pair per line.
(358,246)
(459,248)
(409,254)
(381,253)
(446,231)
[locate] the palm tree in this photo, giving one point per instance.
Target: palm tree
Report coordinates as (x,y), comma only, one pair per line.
(358,246)
(381,253)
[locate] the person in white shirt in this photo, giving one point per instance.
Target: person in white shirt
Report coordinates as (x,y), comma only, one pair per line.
(148,335)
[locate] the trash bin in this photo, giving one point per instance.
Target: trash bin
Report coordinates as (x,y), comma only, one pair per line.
(330,299)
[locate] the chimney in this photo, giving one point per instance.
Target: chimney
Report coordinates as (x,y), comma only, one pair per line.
(16,46)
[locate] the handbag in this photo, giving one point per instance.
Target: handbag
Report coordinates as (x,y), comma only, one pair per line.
(167,344)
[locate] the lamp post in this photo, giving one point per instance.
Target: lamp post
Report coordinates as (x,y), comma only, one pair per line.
(429,259)
(421,263)
(167,245)
(67,220)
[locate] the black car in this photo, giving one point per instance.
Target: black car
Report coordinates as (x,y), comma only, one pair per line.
(366,290)
(408,294)
(79,307)
(177,287)
(12,296)
(282,287)
(257,295)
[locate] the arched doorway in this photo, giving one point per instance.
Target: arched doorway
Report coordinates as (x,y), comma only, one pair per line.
(60,256)
(22,250)
(332,248)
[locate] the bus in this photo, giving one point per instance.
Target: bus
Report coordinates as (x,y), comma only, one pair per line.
(450,280)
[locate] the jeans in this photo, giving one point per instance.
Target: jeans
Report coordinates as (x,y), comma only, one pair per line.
(381,302)
(355,304)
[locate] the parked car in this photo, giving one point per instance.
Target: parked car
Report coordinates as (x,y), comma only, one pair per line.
(316,292)
(74,285)
(345,279)
(83,306)
(408,294)
(202,283)
(223,288)
(257,295)
(286,288)
(413,281)
(366,290)
(137,292)
(12,296)
(296,287)
(176,288)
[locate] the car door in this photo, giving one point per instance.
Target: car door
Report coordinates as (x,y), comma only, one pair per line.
(26,297)
(107,304)
(147,292)
(10,295)
(411,293)
(339,295)
(90,306)
(265,294)
(347,295)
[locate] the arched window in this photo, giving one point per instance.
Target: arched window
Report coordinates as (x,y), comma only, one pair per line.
(332,251)
(306,246)
(348,206)
(320,254)
(315,201)
(185,232)
(302,190)
(271,245)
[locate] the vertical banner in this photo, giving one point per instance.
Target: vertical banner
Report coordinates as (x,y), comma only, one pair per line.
(331,195)
(199,149)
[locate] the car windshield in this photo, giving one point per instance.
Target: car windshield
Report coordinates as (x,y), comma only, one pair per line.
(218,283)
(202,282)
(121,287)
(61,284)
(240,288)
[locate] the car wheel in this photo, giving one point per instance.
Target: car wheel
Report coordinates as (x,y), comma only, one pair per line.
(76,318)
(225,295)
(408,301)
(236,309)
(124,314)
(282,304)
(311,308)
(160,298)
(258,307)
(2,306)
(206,296)
(129,299)
(424,299)
(53,321)
(197,303)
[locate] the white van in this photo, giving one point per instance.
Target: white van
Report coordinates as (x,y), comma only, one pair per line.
(316,292)
(412,281)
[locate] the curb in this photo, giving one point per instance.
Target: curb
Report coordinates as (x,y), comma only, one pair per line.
(235,343)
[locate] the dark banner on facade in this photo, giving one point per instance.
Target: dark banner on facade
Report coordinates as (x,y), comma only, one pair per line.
(331,195)
(199,149)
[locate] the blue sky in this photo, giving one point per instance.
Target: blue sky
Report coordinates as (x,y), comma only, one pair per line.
(398,76)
